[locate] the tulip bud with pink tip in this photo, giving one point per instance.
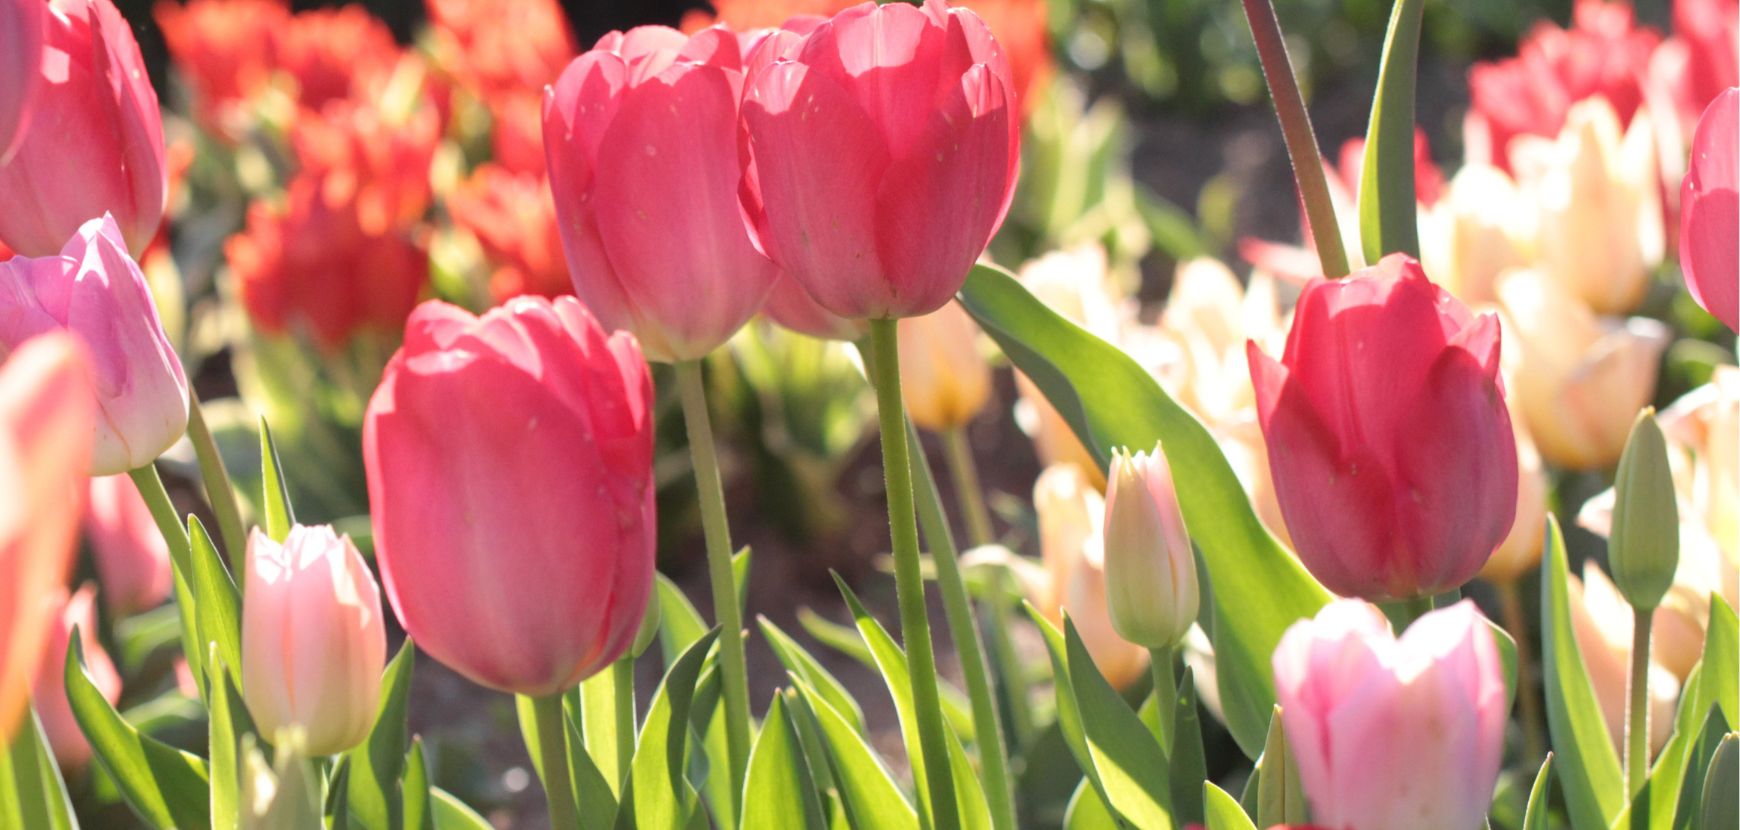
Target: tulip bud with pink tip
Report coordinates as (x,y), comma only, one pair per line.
(1151,587)
(1389,732)
(313,638)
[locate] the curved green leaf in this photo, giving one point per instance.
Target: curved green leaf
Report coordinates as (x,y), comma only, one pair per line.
(1086,811)
(218,614)
(416,789)
(658,796)
(867,792)
(32,792)
(1387,196)
(1259,588)
(779,792)
(1685,813)
(372,790)
(1068,710)
(1722,786)
(805,667)
(450,813)
(1127,759)
(274,494)
(1540,797)
(164,785)
(1588,769)
(1186,764)
(1280,796)
(225,729)
(1223,811)
(680,625)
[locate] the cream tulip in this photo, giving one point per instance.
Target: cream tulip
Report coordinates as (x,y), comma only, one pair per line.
(1601,623)
(1520,551)
(1482,227)
(944,379)
(1072,547)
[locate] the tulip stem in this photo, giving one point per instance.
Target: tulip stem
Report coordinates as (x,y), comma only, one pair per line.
(908,576)
(967,488)
(169,522)
(218,489)
(553,762)
(1510,602)
(718,536)
(964,628)
(1165,695)
(1637,705)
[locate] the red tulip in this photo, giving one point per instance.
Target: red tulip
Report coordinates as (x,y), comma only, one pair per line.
(330,52)
(47,417)
(883,147)
(640,134)
(1400,475)
(216,46)
(510,474)
(20,55)
(1710,211)
(95,144)
(515,223)
(1709,30)
(65,738)
(131,556)
(500,47)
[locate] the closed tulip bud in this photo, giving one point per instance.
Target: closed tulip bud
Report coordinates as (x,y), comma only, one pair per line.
(95,290)
(46,417)
(1710,210)
(1400,473)
(1601,622)
(97,144)
(77,611)
(131,556)
(1391,733)
(1150,571)
(641,138)
(883,150)
(1580,378)
(944,379)
(1071,515)
(313,638)
(21,23)
(510,479)
(1599,231)
(1644,548)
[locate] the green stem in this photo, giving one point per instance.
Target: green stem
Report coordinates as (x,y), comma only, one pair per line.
(718,536)
(1014,681)
(967,488)
(1637,704)
(553,762)
(218,489)
(1534,730)
(908,575)
(1301,140)
(1165,694)
(622,679)
(964,628)
(1403,613)
(169,522)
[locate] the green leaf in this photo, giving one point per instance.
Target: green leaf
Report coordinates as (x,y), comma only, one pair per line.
(32,793)
(1280,798)
(805,667)
(1127,759)
(1069,722)
(1086,811)
(1186,765)
(867,791)
(841,638)
(451,814)
(597,715)
(598,799)
(1663,802)
(164,785)
(1109,401)
(226,725)
(218,614)
(780,792)
(1685,812)
(187,613)
(1588,770)
(659,797)
(680,625)
(740,576)
(1540,797)
(275,495)
(1721,673)
(1223,811)
(1722,787)
(1387,194)
(415,788)
(376,764)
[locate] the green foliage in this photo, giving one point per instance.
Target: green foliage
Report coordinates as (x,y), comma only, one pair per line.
(1588,769)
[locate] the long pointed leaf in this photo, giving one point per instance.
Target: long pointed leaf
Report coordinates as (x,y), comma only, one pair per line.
(867,791)
(372,791)
(1224,812)
(1387,221)
(274,495)
(659,797)
(1130,764)
(779,792)
(1588,769)
(218,614)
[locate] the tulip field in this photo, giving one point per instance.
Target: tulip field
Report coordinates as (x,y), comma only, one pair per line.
(907,415)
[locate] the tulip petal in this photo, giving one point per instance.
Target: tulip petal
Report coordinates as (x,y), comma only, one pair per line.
(1710,201)
(888,58)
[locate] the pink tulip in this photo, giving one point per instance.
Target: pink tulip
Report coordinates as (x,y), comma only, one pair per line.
(132,558)
(313,638)
(510,474)
(1710,211)
(95,290)
(46,416)
(78,611)
(95,144)
(641,139)
(20,55)
(883,149)
(1399,476)
(1393,733)
(790,306)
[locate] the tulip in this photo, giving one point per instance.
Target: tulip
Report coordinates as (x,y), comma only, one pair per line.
(1481,229)
(640,135)
(497,47)
(511,216)
(884,150)
(96,142)
(21,47)
(1389,732)
(313,638)
(789,305)
(1071,516)
(72,612)
(944,380)
(1520,551)
(131,556)
(1581,378)
(46,421)
(1150,570)
(1708,29)
(329,53)
(1400,474)
(1601,623)
(215,46)
(510,474)
(1710,211)
(96,291)
(1597,193)
(282,794)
